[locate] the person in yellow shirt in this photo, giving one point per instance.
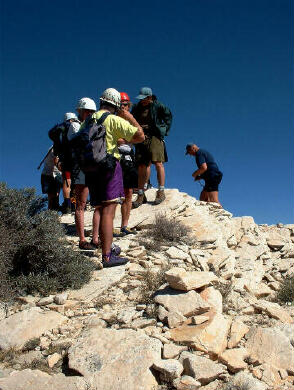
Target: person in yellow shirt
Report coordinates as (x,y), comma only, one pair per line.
(106,189)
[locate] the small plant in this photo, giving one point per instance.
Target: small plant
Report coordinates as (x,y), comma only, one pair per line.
(8,355)
(169,229)
(286,291)
(31,344)
(38,364)
(235,386)
(150,284)
(225,290)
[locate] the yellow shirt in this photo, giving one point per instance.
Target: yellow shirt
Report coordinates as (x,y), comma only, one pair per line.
(116,128)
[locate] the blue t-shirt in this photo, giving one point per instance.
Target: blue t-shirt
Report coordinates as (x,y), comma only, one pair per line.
(203,156)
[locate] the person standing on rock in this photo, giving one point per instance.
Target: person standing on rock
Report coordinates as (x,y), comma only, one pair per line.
(155,119)
(106,189)
(208,171)
(130,173)
(85,108)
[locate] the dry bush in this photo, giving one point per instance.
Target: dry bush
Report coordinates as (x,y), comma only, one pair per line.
(34,252)
(168,229)
(286,291)
(150,284)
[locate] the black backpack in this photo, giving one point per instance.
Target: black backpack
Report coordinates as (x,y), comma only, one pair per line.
(58,134)
(90,149)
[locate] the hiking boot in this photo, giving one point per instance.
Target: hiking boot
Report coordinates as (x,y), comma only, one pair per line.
(113,261)
(125,230)
(115,249)
(87,246)
(160,196)
(65,210)
(117,233)
(141,198)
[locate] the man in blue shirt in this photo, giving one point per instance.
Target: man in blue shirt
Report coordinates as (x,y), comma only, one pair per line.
(208,171)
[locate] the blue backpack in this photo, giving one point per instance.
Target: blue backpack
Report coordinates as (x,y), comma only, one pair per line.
(89,146)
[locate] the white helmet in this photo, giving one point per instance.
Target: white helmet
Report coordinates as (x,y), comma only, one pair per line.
(86,104)
(111,96)
(69,115)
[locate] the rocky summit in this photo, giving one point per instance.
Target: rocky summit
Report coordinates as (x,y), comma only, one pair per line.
(191,311)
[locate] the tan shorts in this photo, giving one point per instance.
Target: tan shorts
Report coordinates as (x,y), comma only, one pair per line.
(151,150)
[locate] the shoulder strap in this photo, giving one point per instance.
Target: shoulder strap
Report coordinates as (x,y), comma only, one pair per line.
(102,118)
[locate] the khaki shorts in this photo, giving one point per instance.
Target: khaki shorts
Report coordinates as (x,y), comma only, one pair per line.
(151,150)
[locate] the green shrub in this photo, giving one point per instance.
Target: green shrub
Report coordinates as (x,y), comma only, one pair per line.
(34,253)
(286,291)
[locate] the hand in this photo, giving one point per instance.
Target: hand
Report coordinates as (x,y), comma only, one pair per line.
(123,113)
(197,178)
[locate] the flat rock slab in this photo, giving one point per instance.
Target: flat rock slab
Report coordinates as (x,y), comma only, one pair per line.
(210,337)
(186,303)
(116,359)
(201,368)
(35,379)
(270,346)
(180,279)
(274,310)
(234,359)
(23,326)
(103,279)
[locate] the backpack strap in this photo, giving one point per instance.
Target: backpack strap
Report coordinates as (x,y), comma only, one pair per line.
(102,118)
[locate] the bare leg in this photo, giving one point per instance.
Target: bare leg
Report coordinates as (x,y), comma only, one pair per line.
(142,175)
(160,173)
(82,195)
(204,196)
(66,188)
(96,224)
(148,174)
(126,207)
(213,197)
(106,226)
(53,201)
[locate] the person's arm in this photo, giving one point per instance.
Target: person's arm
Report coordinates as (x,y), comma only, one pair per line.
(139,135)
(200,171)
(166,116)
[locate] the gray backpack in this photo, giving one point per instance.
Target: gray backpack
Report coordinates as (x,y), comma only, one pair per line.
(90,146)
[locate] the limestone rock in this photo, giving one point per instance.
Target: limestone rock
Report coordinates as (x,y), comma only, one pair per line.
(238,330)
(171,351)
(175,253)
(259,290)
(35,379)
(115,359)
(60,299)
(272,347)
(103,280)
(23,326)
(53,359)
(234,359)
(170,368)
(209,337)
(186,383)
(45,301)
(273,310)
(179,279)
(213,297)
(175,319)
(201,368)
(187,304)
(197,320)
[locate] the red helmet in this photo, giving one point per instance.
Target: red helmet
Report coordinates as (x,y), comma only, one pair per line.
(124,97)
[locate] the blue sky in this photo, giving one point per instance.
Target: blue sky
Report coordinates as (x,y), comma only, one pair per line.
(224,67)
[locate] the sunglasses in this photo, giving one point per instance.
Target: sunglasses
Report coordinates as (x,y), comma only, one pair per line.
(125,104)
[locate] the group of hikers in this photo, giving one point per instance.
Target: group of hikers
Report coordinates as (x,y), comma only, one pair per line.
(92,154)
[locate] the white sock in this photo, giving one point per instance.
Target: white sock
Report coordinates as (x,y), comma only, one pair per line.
(161,188)
(140,192)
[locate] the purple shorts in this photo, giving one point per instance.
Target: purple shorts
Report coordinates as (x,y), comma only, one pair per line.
(105,187)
